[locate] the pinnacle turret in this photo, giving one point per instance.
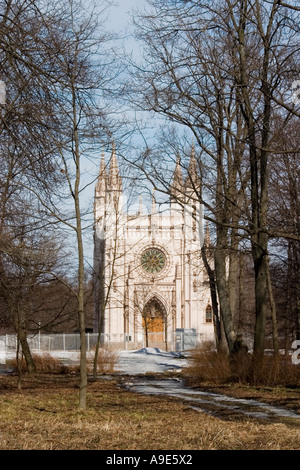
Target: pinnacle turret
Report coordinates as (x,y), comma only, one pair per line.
(114,178)
(100,187)
(192,181)
(153,207)
(177,185)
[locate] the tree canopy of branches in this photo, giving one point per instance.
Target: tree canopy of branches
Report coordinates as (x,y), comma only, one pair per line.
(55,60)
(223,70)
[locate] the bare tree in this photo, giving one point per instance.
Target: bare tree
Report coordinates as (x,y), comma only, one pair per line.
(83,116)
(284,212)
(221,70)
(198,97)
(26,259)
(271,43)
(60,71)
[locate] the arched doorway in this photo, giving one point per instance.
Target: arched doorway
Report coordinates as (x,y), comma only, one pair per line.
(154,323)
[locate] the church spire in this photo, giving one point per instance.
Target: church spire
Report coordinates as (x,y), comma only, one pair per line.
(153,208)
(100,188)
(177,183)
(192,180)
(115,181)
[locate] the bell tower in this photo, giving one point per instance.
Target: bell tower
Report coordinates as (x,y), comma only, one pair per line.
(108,236)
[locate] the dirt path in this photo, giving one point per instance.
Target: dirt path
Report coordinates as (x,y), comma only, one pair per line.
(216,404)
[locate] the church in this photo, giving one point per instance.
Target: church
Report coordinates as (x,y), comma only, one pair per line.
(151,287)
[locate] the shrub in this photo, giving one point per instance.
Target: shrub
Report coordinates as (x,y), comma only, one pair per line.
(275,371)
(44,363)
(210,366)
(106,361)
(47,364)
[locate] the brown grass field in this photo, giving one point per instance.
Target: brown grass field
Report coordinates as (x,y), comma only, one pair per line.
(44,415)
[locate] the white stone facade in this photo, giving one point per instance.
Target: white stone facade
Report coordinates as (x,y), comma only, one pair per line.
(150,279)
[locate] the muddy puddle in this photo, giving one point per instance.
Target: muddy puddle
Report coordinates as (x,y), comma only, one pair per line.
(215,404)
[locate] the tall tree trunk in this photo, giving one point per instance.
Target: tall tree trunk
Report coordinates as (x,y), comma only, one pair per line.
(261,286)
(233,270)
(81,318)
(22,336)
(225,310)
(221,250)
(273,313)
(99,293)
(80,277)
(241,294)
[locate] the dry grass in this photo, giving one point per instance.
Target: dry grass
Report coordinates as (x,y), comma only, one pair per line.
(209,366)
(44,415)
(47,364)
(106,361)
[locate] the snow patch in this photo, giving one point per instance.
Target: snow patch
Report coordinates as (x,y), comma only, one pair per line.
(209,402)
(148,360)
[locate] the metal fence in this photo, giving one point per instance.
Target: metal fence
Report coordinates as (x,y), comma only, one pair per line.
(56,342)
(71,342)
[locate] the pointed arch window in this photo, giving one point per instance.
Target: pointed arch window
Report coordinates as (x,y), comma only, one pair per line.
(208,314)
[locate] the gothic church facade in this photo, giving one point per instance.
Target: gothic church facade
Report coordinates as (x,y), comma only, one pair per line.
(150,282)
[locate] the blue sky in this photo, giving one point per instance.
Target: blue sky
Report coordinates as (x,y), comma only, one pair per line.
(119,20)
(120,13)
